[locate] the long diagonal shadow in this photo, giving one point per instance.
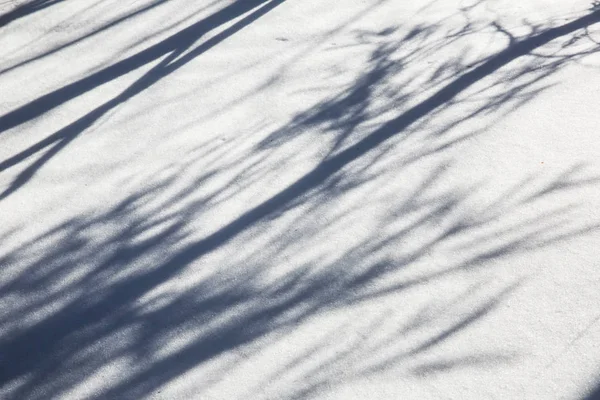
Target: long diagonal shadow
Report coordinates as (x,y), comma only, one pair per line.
(332,165)
(123,294)
(326,169)
(173,46)
(128,17)
(49,333)
(183,38)
(25,10)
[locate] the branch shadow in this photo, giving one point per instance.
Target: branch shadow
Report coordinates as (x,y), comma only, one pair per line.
(121,303)
(176,51)
(26,9)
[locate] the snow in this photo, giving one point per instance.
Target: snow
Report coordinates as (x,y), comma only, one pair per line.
(284,199)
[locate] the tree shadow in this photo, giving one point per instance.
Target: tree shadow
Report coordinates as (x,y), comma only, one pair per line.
(100,299)
(122,302)
(26,9)
(176,51)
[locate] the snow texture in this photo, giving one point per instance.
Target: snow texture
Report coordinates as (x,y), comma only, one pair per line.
(299,199)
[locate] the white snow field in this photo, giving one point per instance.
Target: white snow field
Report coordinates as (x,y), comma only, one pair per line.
(299,199)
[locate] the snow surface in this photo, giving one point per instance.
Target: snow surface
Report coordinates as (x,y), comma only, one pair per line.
(299,199)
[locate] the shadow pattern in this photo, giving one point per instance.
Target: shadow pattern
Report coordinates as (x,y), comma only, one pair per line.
(98,306)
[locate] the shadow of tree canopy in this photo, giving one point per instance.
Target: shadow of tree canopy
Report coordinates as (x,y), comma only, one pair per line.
(123,301)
